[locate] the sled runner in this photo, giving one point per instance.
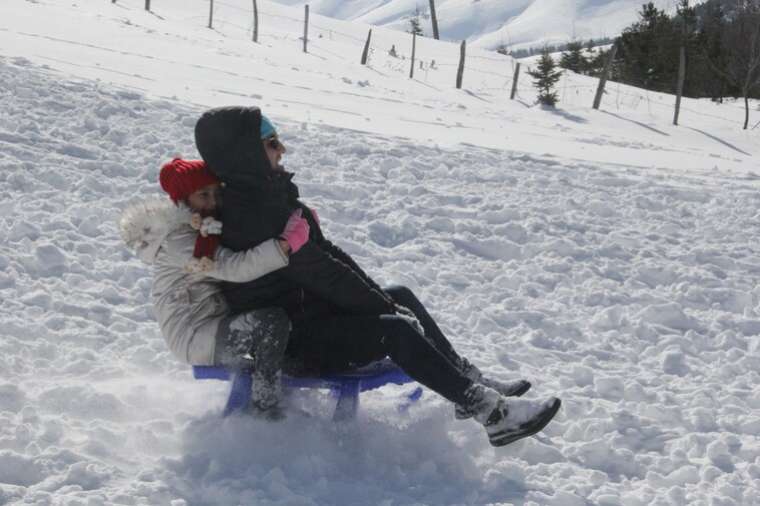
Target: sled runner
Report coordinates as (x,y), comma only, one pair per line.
(346,387)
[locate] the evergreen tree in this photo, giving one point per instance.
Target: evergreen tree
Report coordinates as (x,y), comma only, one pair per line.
(741,42)
(414,23)
(684,25)
(712,21)
(590,53)
(545,77)
(573,58)
(596,63)
(648,52)
(722,42)
(686,17)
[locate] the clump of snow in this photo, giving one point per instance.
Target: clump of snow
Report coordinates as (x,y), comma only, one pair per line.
(669,315)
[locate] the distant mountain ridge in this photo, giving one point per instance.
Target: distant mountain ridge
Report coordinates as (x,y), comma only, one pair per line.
(518,24)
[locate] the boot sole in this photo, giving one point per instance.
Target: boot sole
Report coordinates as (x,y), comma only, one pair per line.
(521,391)
(537,425)
(464,415)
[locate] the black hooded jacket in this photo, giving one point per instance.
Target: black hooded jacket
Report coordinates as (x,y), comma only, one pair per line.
(321,279)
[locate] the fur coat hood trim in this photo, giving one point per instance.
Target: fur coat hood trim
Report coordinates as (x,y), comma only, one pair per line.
(144,225)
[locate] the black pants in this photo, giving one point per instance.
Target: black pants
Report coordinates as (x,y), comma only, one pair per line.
(256,340)
(339,343)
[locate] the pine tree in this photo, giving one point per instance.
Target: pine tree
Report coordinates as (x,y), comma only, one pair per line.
(722,42)
(545,77)
(648,52)
(414,23)
(741,41)
(596,63)
(685,23)
(573,58)
(711,54)
(590,55)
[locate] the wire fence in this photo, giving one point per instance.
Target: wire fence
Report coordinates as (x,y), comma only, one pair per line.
(470,65)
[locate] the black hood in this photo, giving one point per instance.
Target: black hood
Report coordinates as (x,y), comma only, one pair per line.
(228,139)
(257,201)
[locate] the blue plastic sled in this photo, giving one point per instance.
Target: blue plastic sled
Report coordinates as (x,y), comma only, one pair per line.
(346,386)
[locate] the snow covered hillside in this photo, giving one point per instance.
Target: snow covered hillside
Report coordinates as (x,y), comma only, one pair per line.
(607,256)
(493,23)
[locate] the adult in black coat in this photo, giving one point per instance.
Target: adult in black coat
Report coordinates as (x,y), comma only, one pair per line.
(341,318)
(321,279)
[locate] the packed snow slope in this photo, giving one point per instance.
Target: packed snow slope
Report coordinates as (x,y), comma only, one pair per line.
(494,23)
(609,257)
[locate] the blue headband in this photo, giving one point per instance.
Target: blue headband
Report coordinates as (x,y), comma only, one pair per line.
(267,128)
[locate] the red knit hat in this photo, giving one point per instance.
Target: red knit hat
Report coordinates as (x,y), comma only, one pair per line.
(179,178)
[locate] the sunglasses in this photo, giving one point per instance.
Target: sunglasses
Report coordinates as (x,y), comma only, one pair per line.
(273,143)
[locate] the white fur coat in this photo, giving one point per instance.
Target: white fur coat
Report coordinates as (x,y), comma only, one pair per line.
(189,305)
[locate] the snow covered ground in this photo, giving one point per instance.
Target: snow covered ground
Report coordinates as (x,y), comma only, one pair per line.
(609,257)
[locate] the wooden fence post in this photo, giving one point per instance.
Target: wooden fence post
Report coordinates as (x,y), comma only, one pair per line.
(147,5)
(603,77)
(434,19)
(414,46)
(514,82)
(255,22)
(211,14)
(681,77)
(306,28)
(460,71)
(365,53)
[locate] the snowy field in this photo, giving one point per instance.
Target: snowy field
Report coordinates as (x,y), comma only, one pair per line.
(608,257)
